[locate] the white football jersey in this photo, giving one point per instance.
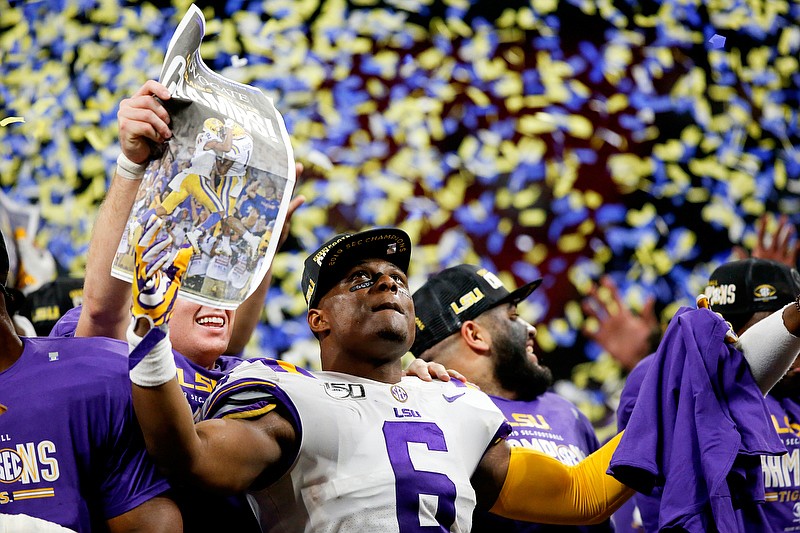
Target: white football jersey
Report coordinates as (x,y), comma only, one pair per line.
(373,457)
(203,159)
(240,152)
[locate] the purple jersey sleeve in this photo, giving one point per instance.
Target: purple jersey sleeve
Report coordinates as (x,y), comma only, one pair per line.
(72,452)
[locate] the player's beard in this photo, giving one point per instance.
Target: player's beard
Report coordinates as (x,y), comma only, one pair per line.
(514,369)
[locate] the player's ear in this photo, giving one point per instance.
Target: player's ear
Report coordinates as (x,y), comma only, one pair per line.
(476,337)
(317,321)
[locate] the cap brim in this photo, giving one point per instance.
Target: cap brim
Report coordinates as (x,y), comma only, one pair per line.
(370,244)
(520,294)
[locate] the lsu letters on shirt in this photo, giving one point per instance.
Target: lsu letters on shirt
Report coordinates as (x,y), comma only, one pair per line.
(373,456)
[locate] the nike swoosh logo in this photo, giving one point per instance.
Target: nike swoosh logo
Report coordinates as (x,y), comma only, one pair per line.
(451,399)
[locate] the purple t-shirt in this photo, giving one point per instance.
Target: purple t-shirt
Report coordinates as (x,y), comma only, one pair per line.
(230,513)
(782,473)
(698,428)
(554,426)
(71,451)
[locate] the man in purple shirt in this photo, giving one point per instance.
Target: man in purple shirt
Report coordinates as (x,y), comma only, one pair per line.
(71,452)
(745,292)
(467,320)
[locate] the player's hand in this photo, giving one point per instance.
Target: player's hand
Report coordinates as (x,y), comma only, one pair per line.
(781,245)
(143,122)
(624,335)
(730,336)
(158,275)
(426,371)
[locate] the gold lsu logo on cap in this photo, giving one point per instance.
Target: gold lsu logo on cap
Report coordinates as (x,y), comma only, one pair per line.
(468,300)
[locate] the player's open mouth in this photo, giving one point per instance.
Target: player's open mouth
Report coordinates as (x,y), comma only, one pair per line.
(211,321)
(531,355)
(390,306)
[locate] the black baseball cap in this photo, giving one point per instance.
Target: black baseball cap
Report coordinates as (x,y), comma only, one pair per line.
(455,295)
(741,288)
(329,264)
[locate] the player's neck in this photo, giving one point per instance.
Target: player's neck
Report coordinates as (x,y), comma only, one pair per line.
(493,388)
(374,369)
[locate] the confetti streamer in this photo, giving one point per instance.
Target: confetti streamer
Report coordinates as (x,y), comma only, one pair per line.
(11,120)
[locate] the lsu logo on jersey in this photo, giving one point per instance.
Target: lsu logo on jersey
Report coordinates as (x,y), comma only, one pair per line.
(31,462)
(201,383)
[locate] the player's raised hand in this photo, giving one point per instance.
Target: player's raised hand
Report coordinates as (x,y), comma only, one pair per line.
(730,336)
(624,335)
(158,274)
(781,245)
(143,122)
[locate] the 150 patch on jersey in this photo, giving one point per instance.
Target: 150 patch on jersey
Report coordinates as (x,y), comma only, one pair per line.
(343,391)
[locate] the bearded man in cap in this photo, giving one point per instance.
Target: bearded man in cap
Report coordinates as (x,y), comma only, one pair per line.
(73,457)
(745,292)
(468,321)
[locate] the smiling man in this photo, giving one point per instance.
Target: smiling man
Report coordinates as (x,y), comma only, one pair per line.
(357,447)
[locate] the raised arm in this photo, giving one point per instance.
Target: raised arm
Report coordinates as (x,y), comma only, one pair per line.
(106,299)
(780,244)
(627,337)
(771,345)
(228,455)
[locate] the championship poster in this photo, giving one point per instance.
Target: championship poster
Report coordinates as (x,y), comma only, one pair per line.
(224,181)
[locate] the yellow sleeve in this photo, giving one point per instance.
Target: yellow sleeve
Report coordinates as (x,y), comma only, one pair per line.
(538,488)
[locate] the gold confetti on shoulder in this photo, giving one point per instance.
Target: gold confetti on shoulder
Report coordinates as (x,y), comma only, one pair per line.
(3,408)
